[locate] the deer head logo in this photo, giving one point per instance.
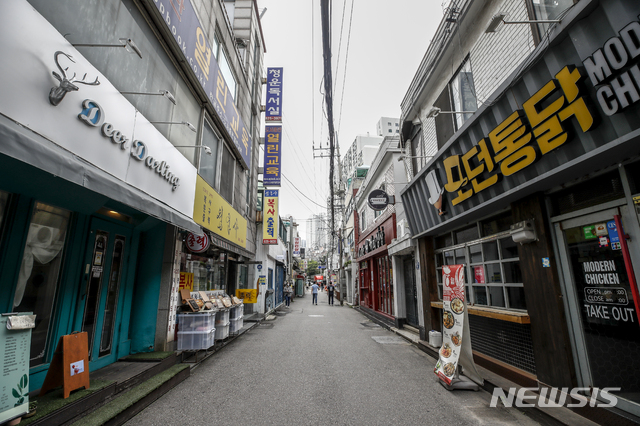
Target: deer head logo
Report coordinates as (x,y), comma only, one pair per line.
(56,95)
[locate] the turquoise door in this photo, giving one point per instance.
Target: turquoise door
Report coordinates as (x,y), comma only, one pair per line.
(104,280)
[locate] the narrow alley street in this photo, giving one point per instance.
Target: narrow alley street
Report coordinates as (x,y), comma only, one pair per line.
(321,365)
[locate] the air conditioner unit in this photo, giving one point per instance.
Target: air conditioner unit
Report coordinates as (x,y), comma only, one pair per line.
(41,235)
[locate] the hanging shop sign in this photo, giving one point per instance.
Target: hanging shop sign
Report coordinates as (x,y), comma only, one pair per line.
(296,246)
(79,110)
(218,216)
(247,295)
(181,19)
(273,113)
(584,116)
(378,199)
(272,155)
(270,219)
(197,243)
(456,342)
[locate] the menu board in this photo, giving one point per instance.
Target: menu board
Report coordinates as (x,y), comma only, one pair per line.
(15,347)
(452,321)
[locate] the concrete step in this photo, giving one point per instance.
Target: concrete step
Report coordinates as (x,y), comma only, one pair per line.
(136,399)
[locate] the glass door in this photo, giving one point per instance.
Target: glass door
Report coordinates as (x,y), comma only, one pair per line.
(601,307)
(104,277)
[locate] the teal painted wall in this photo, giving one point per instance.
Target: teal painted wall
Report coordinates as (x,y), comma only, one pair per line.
(144,313)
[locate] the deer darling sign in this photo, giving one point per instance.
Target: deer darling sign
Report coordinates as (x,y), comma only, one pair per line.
(57,94)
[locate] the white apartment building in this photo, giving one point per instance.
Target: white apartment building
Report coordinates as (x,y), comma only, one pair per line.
(388,126)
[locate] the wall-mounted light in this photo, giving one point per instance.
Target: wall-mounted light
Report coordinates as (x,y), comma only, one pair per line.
(523,232)
(167,94)
(435,111)
(207,150)
(186,123)
(127,43)
(494,24)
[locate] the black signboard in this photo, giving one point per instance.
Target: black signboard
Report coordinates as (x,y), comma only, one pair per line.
(378,199)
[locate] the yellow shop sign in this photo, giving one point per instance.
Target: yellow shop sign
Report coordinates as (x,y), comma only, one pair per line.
(215,214)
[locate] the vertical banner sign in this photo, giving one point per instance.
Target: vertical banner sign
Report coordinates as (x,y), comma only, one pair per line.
(296,246)
(272,157)
(182,21)
(270,217)
(273,106)
(456,343)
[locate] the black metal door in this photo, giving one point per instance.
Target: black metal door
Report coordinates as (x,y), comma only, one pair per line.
(411,292)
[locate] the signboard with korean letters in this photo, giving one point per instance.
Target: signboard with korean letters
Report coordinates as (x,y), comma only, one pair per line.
(270,218)
(273,113)
(181,18)
(272,155)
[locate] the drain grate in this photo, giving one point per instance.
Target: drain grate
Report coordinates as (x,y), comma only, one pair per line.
(390,340)
(370,324)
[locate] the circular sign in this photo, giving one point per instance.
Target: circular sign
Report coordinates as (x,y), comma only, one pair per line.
(378,199)
(197,243)
(259,267)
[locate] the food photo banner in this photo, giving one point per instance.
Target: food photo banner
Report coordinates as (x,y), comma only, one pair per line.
(273,113)
(182,21)
(272,156)
(456,336)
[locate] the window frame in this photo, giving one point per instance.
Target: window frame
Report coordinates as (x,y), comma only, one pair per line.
(440,259)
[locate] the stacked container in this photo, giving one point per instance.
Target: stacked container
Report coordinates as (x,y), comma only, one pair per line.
(236,319)
(196,330)
(222,324)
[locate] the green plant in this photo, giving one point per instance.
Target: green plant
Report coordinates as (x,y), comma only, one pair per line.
(22,390)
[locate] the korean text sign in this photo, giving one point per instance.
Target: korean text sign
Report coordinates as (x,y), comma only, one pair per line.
(215,214)
(273,105)
(181,19)
(296,246)
(270,217)
(522,138)
(272,155)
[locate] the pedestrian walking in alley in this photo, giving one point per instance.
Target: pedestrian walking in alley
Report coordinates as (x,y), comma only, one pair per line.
(314,290)
(288,291)
(330,289)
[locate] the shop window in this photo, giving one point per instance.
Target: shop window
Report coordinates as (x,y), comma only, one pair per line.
(545,10)
(209,163)
(209,272)
(600,189)
(443,241)
(463,94)
(243,276)
(40,273)
(227,175)
(466,235)
(225,67)
(492,271)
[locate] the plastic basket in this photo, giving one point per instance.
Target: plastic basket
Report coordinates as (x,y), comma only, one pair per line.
(235,325)
(222,332)
(195,340)
(222,317)
(197,321)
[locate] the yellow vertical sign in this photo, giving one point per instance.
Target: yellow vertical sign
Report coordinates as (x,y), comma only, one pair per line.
(270,217)
(215,214)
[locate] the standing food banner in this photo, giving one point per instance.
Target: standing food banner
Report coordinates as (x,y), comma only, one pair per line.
(456,338)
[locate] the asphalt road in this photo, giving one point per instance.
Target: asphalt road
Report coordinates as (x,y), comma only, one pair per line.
(321,365)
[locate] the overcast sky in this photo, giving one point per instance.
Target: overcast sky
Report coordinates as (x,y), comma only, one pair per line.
(388,40)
